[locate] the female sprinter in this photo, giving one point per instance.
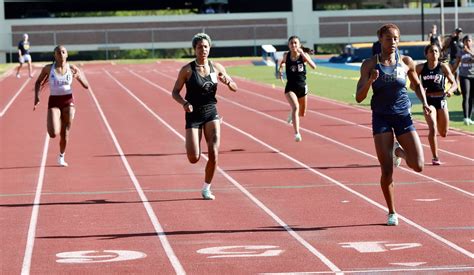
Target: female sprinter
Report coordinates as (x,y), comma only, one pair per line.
(200,77)
(433,75)
(61,107)
(296,90)
(386,73)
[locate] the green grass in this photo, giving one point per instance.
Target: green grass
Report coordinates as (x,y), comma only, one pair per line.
(340,85)
(6,67)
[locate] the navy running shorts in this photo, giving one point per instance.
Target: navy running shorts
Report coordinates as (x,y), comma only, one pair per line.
(398,123)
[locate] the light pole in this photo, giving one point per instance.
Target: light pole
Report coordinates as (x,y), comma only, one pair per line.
(422,20)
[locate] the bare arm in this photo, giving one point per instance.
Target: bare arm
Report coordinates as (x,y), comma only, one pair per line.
(42,78)
(449,75)
(455,66)
(308,59)
(419,69)
(282,65)
(225,78)
(415,83)
(77,74)
(178,86)
(368,74)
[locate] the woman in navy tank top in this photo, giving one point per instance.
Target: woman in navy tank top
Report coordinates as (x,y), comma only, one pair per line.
(386,74)
(433,75)
(296,90)
(61,107)
(200,77)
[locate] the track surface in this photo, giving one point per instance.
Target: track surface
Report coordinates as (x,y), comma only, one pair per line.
(130,202)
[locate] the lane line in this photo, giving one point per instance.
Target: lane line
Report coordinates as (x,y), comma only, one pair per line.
(151,214)
(410,222)
(30,240)
(370,271)
(292,233)
(5,109)
(338,143)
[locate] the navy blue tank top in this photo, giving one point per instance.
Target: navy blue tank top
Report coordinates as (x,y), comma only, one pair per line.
(295,70)
(390,92)
(432,80)
(200,90)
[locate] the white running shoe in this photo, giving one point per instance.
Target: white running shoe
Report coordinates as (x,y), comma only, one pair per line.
(207,195)
(396,160)
(298,137)
(392,219)
(61,161)
(17,75)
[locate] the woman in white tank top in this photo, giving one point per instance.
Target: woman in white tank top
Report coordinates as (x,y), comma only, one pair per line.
(61,102)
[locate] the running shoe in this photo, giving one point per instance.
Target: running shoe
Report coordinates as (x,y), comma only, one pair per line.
(17,75)
(467,121)
(435,161)
(298,137)
(396,159)
(457,92)
(207,195)
(392,219)
(61,161)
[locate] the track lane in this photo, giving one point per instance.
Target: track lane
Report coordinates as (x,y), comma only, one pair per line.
(162,81)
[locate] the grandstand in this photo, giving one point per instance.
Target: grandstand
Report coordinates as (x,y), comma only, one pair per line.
(242,31)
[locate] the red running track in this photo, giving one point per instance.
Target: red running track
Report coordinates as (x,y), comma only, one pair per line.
(130,203)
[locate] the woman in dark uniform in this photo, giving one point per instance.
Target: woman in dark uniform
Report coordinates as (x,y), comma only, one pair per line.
(386,73)
(296,90)
(200,77)
(433,75)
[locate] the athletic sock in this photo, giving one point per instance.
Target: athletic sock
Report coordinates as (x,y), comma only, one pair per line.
(206,186)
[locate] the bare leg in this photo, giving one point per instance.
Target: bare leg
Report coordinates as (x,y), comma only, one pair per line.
(212,133)
(433,127)
(67,117)
(293,100)
(193,144)
(54,122)
(30,68)
(303,102)
(384,146)
(412,151)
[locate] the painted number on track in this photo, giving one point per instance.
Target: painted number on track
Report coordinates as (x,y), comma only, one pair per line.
(241,251)
(97,256)
(382,246)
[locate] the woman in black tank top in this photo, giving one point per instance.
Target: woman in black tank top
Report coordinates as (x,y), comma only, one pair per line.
(296,89)
(200,77)
(433,74)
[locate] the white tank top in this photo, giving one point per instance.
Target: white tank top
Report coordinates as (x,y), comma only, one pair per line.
(60,84)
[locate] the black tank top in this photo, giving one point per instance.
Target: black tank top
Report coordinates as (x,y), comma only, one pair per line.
(200,90)
(432,80)
(295,70)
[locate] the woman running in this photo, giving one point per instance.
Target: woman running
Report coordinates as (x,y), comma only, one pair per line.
(433,76)
(61,107)
(387,74)
(296,90)
(200,77)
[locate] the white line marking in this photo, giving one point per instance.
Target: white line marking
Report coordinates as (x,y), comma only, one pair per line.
(14,97)
(412,223)
(292,233)
(30,241)
(151,214)
(372,271)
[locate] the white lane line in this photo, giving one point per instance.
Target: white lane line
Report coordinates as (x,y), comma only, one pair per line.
(14,97)
(30,241)
(267,210)
(410,222)
(375,271)
(151,214)
(337,142)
